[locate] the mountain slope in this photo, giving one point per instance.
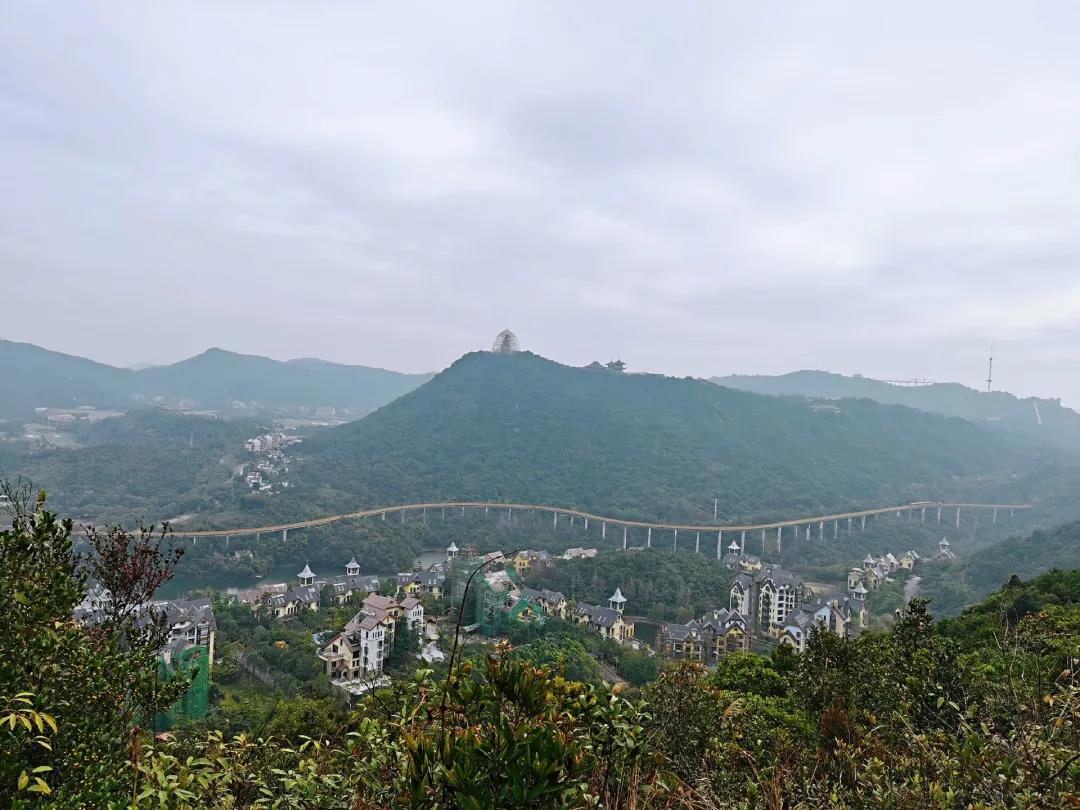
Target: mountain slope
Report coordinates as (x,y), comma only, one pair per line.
(1043,419)
(520,427)
(218,377)
(213,379)
(961,581)
(34,376)
(149,465)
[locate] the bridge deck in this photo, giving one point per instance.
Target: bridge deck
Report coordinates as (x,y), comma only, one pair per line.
(557,510)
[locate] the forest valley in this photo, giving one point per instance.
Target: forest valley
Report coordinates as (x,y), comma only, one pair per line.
(977,711)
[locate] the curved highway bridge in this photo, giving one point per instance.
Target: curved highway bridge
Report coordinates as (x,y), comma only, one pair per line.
(802,525)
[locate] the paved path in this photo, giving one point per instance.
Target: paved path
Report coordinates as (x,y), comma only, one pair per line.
(911,588)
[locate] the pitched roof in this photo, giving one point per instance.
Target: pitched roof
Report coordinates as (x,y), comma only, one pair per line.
(602,616)
(306,573)
(372,621)
(617,596)
(379,602)
(779,576)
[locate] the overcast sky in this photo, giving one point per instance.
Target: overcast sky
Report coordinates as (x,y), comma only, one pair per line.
(697,188)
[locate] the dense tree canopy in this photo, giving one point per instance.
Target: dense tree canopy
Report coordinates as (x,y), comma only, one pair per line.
(982,713)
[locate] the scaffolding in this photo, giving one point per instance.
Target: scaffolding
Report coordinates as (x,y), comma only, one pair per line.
(193,704)
(461,568)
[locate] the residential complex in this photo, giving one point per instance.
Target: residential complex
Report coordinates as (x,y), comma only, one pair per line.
(360,650)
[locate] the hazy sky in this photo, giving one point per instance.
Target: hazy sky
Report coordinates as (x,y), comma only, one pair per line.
(698,188)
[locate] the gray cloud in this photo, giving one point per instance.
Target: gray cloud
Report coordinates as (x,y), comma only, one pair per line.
(699,190)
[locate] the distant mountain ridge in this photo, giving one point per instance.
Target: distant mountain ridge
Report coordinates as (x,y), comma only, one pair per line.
(211,380)
(1044,419)
(523,428)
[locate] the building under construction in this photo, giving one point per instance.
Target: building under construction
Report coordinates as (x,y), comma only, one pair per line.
(183,663)
(494,598)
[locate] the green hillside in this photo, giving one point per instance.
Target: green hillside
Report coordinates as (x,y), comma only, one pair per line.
(958,583)
(1043,419)
(520,427)
(150,464)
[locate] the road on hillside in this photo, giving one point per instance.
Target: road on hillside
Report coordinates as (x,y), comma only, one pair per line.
(911,588)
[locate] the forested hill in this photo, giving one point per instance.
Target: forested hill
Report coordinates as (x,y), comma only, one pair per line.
(521,427)
(957,583)
(1044,419)
(214,379)
(148,465)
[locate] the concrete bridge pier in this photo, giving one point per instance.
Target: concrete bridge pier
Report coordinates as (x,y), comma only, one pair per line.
(697,543)
(603,530)
(719,545)
(444,513)
(624,538)
(835,529)
(510,513)
(994,518)
(571,521)
(779,539)
(463,511)
(648,540)
(742,542)
(1011,513)
(485,511)
(849,525)
(284,535)
(922,517)
(586,524)
(423,515)
(402,517)
(939,514)
(384,517)
(864,523)
(227,539)
(554,520)
(762,542)
(821,530)
(258,536)
(808,532)
(675,544)
(194,541)
(958,517)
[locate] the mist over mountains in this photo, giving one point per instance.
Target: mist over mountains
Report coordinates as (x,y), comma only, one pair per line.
(216,379)
(1043,419)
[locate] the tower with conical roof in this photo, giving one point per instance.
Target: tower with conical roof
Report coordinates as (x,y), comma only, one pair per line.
(451,551)
(306,576)
(860,592)
(506,342)
(734,547)
(617,601)
(352,567)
